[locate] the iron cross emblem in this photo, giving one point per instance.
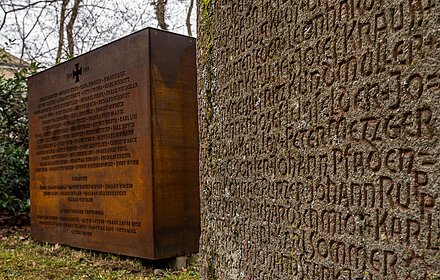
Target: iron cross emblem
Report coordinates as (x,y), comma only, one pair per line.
(77,72)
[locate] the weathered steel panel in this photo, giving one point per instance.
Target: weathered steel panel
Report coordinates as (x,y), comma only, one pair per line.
(91,150)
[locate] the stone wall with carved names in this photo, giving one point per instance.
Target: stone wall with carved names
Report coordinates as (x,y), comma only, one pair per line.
(320,139)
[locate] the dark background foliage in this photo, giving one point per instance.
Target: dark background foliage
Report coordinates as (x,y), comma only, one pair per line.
(14,163)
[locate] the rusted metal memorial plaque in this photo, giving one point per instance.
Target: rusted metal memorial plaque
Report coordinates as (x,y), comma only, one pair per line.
(114,148)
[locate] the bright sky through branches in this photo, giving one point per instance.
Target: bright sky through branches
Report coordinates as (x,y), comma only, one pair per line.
(30,28)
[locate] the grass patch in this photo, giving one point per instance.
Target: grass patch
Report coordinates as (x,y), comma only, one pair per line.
(23,258)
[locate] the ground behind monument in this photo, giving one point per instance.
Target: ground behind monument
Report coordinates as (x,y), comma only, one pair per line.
(23,258)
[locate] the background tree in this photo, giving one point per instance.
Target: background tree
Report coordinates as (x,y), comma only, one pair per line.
(188,17)
(69,27)
(49,31)
(159,7)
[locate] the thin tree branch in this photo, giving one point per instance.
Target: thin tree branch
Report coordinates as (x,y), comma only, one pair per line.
(69,28)
(160,6)
(61,29)
(188,17)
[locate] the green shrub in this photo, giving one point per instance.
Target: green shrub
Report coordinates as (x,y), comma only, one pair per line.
(14,162)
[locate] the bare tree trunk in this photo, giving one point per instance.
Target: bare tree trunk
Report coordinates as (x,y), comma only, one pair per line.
(159,6)
(69,28)
(188,17)
(61,30)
